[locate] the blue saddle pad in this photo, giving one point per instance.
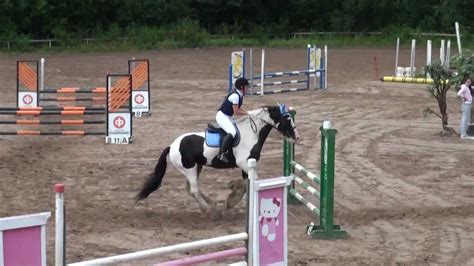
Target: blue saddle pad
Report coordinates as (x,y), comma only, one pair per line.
(214,138)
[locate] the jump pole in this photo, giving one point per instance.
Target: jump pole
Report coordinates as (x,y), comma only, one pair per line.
(41,84)
(447,61)
(396,56)
(325,66)
(442,55)
(315,75)
(60,259)
(428,55)
(308,66)
(458,37)
(412,57)
(251,70)
(262,76)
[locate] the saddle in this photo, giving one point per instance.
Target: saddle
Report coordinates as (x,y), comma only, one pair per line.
(214,135)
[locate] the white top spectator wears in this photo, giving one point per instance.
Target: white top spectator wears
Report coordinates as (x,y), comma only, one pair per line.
(465,93)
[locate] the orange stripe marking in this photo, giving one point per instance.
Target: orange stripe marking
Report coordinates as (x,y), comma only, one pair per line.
(72,112)
(74,133)
(28,122)
(27,132)
(139,75)
(72,122)
(74,90)
(72,99)
(74,108)
(120,93)
(27,76)
(28,112)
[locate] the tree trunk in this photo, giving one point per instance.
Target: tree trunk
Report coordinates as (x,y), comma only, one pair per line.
(447,131)
(443,110)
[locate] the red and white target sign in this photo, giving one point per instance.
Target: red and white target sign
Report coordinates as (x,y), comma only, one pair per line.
(139,99)
(27,99)
(119,125)
(119,122)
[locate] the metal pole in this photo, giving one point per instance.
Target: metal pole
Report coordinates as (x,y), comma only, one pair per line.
(41,83)
(251,213)
(60,236)
(315,75)
(396,56)
(326,59)
(441,53)
(428,56)
(41,74)
(251,71)
(243,63)
(412,58)
(308,66)
(448,54)
(230,77)
(262,76)
(458,37)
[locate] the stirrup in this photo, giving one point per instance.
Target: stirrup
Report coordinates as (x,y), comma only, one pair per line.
(222,157)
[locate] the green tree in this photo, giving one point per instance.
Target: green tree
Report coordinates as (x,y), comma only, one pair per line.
(442,83)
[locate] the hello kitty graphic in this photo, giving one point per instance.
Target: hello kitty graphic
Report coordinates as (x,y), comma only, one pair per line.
(269,210)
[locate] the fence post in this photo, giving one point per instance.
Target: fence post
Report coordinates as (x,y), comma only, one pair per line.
(326,228)
(288,170)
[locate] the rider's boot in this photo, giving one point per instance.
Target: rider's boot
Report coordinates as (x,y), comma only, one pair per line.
(225,146)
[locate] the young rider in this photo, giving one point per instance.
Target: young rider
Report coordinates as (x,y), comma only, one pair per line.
(231,106)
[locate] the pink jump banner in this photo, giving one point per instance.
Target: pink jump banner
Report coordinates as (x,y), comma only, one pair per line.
(268,240)
(23,239)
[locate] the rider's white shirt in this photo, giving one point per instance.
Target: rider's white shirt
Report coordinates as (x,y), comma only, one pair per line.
(234,98)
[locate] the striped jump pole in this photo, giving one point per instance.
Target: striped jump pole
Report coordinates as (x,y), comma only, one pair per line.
(31,90)
(316,68)
(408,80)
(258,243)
(326,229)
(215,256)
(52,108)
(75,90)
(118,114)
(45,122)
(56,133)
(52,112)
(74,99)
(282,91)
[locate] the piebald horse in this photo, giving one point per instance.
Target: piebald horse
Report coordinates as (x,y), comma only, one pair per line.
(189,153)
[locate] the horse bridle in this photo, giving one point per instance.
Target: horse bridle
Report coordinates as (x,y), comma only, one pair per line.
(253,125)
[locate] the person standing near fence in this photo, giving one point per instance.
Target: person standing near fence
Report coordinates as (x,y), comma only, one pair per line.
(465,94)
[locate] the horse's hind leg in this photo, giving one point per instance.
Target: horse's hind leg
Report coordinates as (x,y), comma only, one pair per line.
(238,188)
(193,189)
(206,198)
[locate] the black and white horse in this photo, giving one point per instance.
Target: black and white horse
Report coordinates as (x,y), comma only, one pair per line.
(189,153)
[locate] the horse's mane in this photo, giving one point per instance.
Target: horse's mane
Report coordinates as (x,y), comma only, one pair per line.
(252,112)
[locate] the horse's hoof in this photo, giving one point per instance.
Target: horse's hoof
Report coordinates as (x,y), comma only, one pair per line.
(216,216)
(231,185)
(230,203)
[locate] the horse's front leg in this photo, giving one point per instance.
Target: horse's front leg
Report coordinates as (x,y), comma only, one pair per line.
(238,188)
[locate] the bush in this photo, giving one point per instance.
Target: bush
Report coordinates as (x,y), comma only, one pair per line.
(188,32)
(146,37)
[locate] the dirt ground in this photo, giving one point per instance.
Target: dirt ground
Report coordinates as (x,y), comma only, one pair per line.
(404,194)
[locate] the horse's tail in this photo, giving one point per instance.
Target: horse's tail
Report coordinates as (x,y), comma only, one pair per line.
(154,180)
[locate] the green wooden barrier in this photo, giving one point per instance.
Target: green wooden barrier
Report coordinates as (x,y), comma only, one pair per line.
(326,228)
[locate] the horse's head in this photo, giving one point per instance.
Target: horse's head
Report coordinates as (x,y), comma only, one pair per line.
(280,118)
